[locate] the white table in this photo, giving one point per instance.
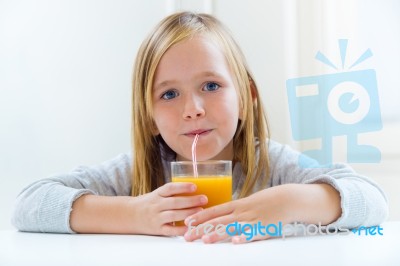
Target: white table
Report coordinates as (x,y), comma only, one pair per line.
(17,248)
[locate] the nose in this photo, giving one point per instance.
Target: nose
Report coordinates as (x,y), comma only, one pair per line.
(193,107)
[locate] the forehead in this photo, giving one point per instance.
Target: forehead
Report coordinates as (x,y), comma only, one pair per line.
(190,57)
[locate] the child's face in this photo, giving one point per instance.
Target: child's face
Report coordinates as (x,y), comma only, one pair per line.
(194,92)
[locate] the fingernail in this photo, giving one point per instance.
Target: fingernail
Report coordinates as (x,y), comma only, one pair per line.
(206,239)
(193,188)
(236,240)
(186,236)
(203,199)
(186,221)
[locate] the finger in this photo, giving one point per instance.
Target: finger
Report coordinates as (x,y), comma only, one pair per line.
(174,188)
(183,202)
(177,215)
(216,236)
(210,213)
(215,226)
(239,239)
(172,230)
(249,233)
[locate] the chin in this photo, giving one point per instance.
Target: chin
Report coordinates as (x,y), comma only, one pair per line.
(203,156)
(208,157)
(199,158)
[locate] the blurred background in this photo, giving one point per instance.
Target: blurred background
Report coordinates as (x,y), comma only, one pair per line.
(66,67)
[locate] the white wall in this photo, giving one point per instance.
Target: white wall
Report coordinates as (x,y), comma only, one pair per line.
(65,81)
(65,73)
(366,24)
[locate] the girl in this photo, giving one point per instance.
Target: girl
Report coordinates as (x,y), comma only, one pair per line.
(190,77)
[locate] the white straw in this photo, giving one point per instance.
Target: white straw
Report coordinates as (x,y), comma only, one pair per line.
(194,160)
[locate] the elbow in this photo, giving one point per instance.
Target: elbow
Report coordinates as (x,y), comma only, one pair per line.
(377,210)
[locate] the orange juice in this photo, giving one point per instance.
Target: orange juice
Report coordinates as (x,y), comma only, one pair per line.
(218,189)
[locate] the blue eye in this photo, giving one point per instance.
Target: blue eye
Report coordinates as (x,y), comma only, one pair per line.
(168,95)
(211,86)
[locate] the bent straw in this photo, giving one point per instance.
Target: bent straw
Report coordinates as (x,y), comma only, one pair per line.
(194,160)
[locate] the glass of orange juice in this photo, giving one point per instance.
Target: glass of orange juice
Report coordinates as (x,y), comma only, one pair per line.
(214,179)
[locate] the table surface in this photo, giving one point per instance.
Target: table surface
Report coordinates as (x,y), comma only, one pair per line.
(18,248)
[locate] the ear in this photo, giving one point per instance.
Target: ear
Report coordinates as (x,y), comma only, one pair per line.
(253,90)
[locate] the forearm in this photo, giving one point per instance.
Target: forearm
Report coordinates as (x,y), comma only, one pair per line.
(103,214)
(312,203)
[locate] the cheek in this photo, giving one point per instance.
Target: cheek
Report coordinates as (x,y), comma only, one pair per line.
(228,114)
(164,120)
(231,107)
(157,118)
(159,122)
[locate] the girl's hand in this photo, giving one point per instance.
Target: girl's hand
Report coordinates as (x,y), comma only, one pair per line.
(308,203)
(266,206)
(156,211)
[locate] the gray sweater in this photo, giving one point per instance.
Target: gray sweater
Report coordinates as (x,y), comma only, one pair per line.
(45,205)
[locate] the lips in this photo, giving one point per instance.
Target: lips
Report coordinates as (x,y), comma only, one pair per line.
(198,132)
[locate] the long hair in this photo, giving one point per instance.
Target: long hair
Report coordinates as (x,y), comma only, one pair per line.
(149,148)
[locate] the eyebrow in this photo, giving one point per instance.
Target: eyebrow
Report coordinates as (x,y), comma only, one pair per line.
(165,83)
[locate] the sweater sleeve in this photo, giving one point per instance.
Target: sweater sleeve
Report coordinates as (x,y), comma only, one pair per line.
(363,202)
(45,205)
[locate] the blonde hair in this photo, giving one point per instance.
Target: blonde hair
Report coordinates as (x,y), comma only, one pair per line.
(149,149)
